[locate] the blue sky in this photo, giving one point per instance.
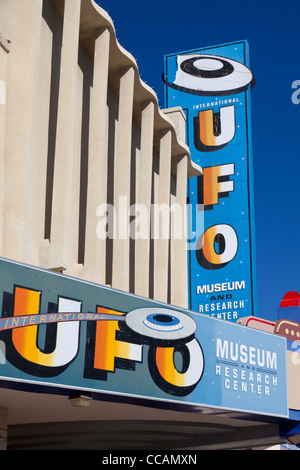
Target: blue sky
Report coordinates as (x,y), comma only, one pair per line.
(150,30)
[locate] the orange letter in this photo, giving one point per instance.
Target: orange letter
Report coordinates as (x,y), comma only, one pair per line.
(216,183)
(27,302)
(218,246)
(214,131)
(166,373)
(108,348)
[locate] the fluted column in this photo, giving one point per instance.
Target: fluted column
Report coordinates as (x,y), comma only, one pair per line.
(65,207)
(122,166)
(95,243)
(143,202)
(20,188)
(178,256)
(162,218)
(3,68)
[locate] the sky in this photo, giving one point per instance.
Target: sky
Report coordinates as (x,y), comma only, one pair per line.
(151,30)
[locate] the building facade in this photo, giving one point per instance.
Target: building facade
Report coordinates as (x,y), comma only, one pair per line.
(80,135)
(93,184)
(79,130)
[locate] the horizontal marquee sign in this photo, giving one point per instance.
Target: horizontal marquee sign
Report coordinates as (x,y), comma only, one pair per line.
(59,332)
(212,85)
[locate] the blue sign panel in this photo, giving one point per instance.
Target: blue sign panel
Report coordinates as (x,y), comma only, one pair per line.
(64,334)
(212,85)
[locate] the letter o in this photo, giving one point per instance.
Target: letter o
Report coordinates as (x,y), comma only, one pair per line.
(218,245)
(164,370)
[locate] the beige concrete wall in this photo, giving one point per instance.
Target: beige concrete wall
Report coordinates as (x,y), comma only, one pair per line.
(79,129)
(4,50)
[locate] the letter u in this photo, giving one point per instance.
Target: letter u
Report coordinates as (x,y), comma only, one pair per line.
(260,358)
(27,302)
(213,131)
(233,354)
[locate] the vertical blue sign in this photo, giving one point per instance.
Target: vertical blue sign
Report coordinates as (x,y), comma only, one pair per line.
(213,86)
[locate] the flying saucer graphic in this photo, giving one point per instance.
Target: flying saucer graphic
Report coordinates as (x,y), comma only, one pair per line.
(211,75)
(160,324)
